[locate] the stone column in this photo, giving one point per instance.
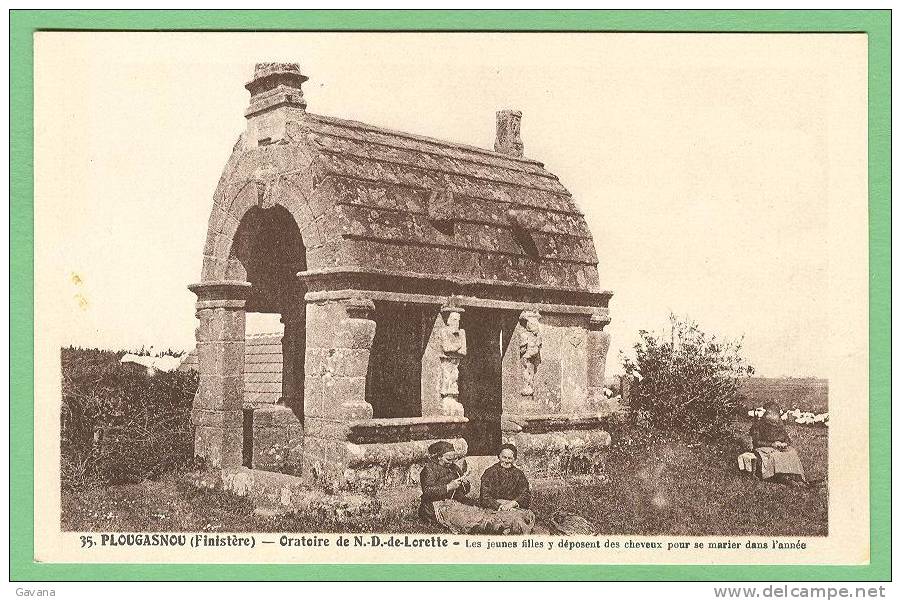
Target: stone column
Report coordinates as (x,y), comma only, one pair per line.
(350,361)
(431,369)
(598,345)
(293,350)
(217,409)
(339,340)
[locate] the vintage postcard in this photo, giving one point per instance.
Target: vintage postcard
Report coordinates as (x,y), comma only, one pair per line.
(451,297)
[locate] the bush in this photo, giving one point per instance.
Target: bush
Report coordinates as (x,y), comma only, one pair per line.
(687,384)
(120,424)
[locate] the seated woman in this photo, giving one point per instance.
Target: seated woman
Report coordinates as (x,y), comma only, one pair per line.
(441,479)
(444,488)
(779,461)
(505,488)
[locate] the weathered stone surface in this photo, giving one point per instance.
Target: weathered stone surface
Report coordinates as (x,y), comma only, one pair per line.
(598,345)
(219,393)
(337,362)
(567,452)
(219,447)
(326,428)
(399,176)
(431,370)
(573,370)
(270,447)
(221,358)
(341,390)
(390,430)
(529,350)
(508,140)
(314,396)
(360,253)
(220,325)
(286,493)
(216,419)
(322,323)
(355,334)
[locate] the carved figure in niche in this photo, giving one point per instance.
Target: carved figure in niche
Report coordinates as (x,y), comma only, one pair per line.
(453,349)
(529,350)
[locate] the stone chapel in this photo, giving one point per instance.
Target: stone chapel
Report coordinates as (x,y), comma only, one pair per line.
(428,290)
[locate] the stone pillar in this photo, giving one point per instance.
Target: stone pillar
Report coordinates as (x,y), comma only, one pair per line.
(217,409)
(598,345)
(339,340)
(293,349)
(431,368)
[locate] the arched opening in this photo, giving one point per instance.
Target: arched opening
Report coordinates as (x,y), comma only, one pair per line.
(268,252)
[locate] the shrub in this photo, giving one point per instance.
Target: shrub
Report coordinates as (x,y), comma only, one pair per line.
(120,424)
(688,383)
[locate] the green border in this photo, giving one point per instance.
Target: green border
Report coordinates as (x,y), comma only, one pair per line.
(877,25)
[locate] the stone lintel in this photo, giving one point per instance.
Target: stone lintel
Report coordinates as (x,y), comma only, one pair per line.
(379,422)
(462,301)
(383,280)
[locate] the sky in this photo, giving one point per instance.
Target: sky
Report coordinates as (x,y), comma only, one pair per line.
(722,176)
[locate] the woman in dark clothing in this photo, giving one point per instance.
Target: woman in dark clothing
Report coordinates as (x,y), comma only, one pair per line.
(444,489)
(440,479)
(778,460)
(504,486)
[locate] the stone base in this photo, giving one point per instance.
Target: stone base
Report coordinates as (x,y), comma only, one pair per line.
(283,493)
(369,455)
(564,454)
(559,444)
(367,468)
(277,440)
(218,447)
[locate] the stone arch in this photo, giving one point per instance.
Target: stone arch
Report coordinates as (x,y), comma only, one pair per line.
(268,251)
(234,200)
(256,244)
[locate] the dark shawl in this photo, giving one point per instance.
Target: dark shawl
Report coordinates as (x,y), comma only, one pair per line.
(433,479)
(507,484)
(764,433)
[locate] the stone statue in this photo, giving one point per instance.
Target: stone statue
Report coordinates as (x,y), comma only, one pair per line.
(529,350)
(453,349)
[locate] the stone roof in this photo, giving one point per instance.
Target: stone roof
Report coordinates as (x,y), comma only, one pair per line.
(375,201)
(415,204)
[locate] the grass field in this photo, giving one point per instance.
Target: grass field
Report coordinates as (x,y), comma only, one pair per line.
(806,394)
(663,487)
(667,488)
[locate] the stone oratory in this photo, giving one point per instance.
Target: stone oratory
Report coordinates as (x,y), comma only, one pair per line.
(428,290)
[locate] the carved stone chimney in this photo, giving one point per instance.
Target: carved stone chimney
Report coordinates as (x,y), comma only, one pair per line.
(508,140)
(275,98)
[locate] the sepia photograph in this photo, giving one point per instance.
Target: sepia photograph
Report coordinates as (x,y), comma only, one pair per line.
(523,297)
